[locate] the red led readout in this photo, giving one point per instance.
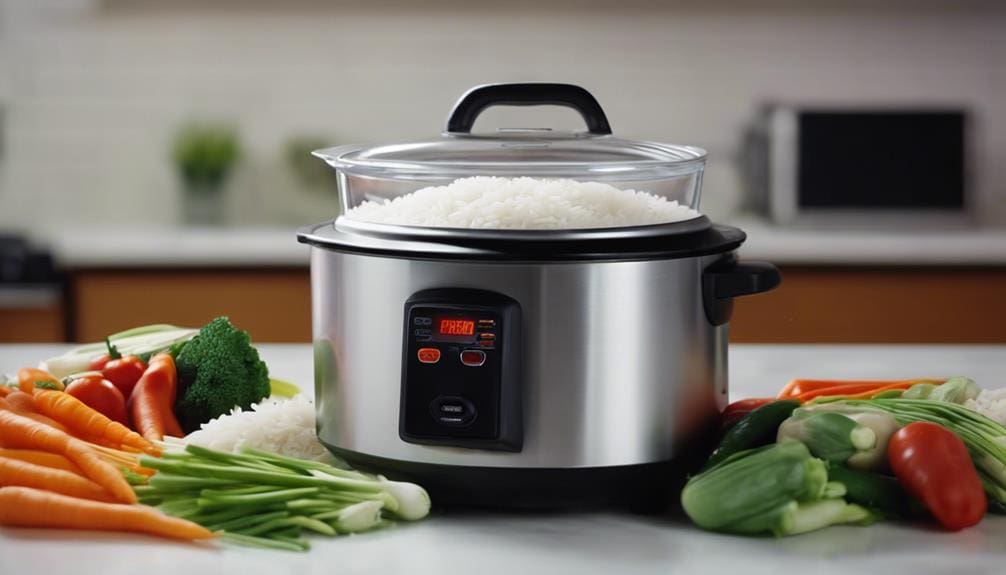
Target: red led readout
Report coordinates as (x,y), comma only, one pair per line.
(456,327)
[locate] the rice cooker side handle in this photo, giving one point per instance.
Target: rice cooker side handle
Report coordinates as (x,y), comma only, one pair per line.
(476,100)
(729,278)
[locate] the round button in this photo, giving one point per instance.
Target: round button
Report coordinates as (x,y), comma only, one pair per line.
(428,355)
(452,411)
(473,357)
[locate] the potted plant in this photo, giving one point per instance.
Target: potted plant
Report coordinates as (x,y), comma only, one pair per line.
(205,155)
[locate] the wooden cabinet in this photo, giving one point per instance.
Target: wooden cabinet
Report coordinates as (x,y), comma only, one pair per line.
(877,305)
(814,304)
(272,305)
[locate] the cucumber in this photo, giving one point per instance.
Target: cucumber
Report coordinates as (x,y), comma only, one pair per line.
(753,430)
(876,492)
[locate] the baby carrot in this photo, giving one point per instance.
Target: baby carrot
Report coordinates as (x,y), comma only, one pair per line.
(28,377)
(85,421)
(44,458)
(20,432)
(799,387)
(851,390)
(28,507)
(24,474)
(153,400)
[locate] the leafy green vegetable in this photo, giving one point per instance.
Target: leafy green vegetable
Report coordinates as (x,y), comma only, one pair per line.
(778,489)
(869,454)
(828,435)
(218,369)
(267,500)
(753,430)
(955,390)
(283,388)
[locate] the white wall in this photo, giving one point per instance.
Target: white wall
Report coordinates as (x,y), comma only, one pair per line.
(94,90)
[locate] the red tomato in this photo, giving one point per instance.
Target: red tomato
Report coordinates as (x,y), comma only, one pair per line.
(933,464)
(124,373)
(99,394)
(99,363)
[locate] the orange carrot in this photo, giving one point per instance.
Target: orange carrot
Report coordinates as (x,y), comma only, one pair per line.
(20,432)
(44,458)
(24,474)
(5,391)
(799,387)
(21,402)
(152,401)
(4,404)
(87,422)
(850,390)
(27,507)
(870,393)
(27,377)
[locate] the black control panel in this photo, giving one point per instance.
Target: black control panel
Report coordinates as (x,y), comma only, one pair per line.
(460,370)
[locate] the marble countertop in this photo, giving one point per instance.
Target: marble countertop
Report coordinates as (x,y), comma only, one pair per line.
(580,543)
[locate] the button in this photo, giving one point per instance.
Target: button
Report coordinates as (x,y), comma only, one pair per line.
(473,357)
(422,321)
(487,336)
(452,411)
(487,343)
(428,355)
(487,323)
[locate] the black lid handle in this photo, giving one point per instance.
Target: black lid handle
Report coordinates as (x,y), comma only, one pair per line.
(474,101)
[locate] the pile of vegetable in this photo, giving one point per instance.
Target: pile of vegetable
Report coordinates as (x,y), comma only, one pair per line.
(88,441)
(852,452)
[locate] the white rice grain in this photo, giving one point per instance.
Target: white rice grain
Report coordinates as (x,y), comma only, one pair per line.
(523,203)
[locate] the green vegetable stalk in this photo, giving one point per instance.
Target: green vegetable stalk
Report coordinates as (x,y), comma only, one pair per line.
(753,430)
(955,390)
(778,489)
(828,435)
(266,500)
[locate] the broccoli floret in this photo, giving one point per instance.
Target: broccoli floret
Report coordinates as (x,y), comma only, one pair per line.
(218,369)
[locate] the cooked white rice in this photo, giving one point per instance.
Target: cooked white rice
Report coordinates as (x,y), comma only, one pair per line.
(991,403)
(284,426)
(523,203)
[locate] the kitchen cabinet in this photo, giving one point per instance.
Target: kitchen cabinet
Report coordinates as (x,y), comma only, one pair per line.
(31,314)
(271,304)
(822,304)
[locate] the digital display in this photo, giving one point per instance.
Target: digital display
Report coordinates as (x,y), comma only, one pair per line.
(456,326)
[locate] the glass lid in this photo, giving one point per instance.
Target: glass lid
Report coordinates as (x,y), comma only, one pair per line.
(593,154)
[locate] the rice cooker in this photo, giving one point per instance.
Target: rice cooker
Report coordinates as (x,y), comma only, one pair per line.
(522,367)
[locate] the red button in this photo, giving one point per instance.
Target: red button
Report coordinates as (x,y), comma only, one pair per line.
(429,355)
(473,357)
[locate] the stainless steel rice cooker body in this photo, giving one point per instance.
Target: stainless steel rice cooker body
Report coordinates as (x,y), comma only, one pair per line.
(495,366)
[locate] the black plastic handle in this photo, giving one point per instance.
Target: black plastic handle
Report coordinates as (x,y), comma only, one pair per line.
(727,279)
(474,101)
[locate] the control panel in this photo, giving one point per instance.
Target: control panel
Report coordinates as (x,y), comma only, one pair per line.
(460,370)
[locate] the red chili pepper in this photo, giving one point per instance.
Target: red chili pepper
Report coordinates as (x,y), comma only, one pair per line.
(124,372)
(933,464)
(738,409)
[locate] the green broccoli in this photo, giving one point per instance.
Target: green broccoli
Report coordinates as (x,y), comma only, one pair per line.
(218,370)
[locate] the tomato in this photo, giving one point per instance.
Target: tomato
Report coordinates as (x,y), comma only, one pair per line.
(124,373)
(99,363)
(933,464)
(99,394)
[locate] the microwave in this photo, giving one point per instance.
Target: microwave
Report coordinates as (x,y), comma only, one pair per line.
(860,166)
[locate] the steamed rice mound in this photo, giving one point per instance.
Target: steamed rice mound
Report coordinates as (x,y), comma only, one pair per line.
(523,204)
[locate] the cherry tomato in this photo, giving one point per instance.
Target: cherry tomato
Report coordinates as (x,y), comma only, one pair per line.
(933,464)
(99,363)
(124,373)
(99,394)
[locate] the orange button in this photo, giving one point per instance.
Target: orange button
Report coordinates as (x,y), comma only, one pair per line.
(473,357)
(429,355)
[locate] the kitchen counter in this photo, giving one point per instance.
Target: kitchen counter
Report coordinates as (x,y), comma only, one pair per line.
(278,247)
(569,542)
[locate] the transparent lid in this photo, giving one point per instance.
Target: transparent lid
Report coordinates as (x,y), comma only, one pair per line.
(594,154)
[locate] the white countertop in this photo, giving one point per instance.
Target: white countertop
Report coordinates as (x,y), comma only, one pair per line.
(578,543)
(278,247)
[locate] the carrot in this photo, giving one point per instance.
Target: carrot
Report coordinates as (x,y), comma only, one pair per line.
(44,458)
(21,402)
(24,474)
(27,377)
(5,391)
(850,390)
(85,421)
(799,387)
(4,404)
(153,399)
(20,432)
(28,507)
(869,394)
